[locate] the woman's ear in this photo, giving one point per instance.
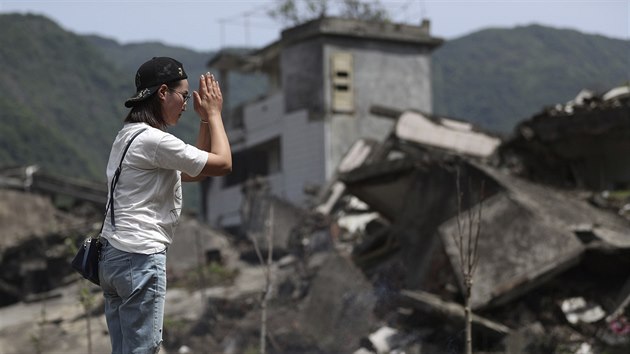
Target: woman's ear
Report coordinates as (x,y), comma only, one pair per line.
(162,91)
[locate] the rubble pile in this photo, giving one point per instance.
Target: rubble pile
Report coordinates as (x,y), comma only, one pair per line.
(33,251)
(553,266)
(373,265)
(581,144)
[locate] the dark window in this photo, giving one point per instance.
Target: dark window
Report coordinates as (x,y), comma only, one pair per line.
(259,160)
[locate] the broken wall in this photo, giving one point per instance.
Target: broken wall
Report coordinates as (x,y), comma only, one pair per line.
(417,199)
(338,310)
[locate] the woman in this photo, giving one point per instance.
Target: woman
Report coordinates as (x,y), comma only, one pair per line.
(145,205)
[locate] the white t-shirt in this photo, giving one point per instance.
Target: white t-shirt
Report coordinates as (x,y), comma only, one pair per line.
(148,196)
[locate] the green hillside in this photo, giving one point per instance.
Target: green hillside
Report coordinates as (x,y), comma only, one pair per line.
(57,98)
(25,138)
(498,77)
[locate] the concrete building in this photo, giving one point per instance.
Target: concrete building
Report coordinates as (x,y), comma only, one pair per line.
(324,76)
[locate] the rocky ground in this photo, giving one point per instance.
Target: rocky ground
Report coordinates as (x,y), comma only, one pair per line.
(213,299)
(322,297)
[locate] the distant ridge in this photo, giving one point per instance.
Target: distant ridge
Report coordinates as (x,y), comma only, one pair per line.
(61,101)
(58,94)
(498,77)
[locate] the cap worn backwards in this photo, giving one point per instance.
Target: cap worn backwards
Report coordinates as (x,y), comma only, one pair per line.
(152,74)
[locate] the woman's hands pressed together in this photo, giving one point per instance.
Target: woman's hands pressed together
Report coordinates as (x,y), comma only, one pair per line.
(208,100)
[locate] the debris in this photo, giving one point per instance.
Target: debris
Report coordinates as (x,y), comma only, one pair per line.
(576,310)
(348,299)
(444,133)
(585,348)
(583,144)
(433,306)
(370,265)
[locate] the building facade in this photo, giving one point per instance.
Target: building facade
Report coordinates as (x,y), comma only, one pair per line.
(324,76)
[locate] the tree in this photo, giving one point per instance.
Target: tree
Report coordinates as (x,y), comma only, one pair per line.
(294,12)
(357,9)
(257,213)
(467,241)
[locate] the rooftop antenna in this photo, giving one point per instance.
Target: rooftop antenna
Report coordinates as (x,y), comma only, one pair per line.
(246,24)
(423,10)
(222,32)
(425,24)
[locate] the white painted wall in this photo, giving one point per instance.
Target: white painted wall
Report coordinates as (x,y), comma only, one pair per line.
(263,119)
(302,157)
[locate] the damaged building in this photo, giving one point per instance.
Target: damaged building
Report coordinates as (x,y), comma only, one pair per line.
(323,77)
(553,264)
(552,269)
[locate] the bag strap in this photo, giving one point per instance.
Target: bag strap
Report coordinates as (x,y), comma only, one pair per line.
(110,204)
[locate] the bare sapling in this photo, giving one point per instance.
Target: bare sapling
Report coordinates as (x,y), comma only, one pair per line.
(467,242)
(87,300)
(38,339)
(266,293)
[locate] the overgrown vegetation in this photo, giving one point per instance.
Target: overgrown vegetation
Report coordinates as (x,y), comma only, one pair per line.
(57,98)
(294,12)
(208,275)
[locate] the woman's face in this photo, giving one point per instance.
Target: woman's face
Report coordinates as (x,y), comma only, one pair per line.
(174,101)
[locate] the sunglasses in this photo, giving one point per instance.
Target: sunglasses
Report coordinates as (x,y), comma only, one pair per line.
(184,96)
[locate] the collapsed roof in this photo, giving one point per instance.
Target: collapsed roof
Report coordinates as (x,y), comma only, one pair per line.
(532,234)
(583,143)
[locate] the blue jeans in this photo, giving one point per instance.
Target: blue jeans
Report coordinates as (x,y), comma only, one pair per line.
(134,287)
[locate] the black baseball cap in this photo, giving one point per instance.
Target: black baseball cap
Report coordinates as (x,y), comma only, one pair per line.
(152,74)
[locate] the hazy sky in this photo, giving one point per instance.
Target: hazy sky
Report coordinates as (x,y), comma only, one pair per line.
(211,24)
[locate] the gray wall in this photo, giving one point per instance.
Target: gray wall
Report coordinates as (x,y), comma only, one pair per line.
(302,78)
(395,75)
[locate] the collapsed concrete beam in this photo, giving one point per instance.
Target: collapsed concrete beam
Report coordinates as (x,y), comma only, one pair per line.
(448,134)
(527,239)
(348,298)
(517,250)
(434,306)
(356,156)
(384,186)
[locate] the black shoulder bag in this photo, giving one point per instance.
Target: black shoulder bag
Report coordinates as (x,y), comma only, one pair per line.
(86,260)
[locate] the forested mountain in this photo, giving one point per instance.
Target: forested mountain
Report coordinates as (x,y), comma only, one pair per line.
(62,94)
(56,107)
(498,77)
